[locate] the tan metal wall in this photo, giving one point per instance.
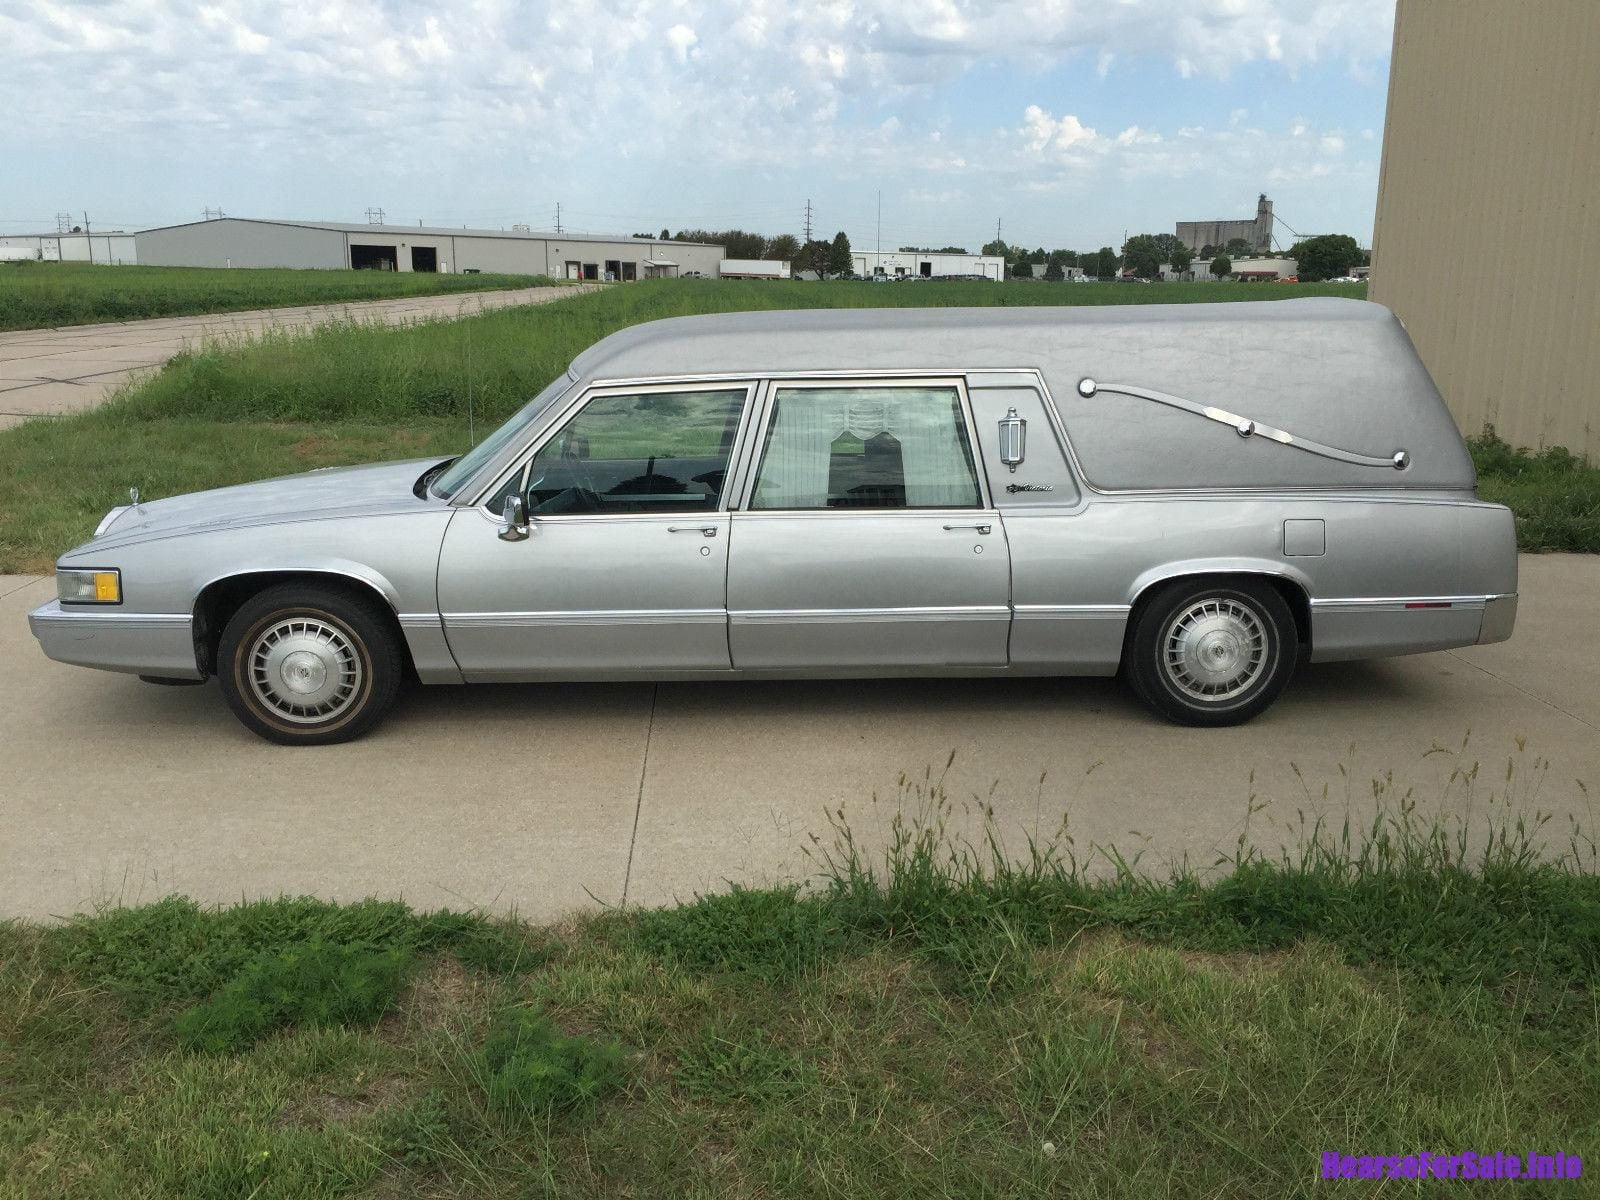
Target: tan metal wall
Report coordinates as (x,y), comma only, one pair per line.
(1487,241)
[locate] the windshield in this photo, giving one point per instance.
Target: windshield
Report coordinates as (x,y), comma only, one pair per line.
(468,465)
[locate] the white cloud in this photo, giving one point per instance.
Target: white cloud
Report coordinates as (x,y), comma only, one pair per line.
(1047,132)
(682,39)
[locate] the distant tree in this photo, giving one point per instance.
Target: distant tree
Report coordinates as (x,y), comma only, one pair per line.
(814,256)
(1142,254)
(1069,258)
(783,248)
(1169,245)
(997,248)
(1238,247)
(932,250)
(1054,269)
(1106,263)
(1181,257)
(1222,266)
(1208,250)
(1325,257)
(1022,269)
(839,260)
(666,234)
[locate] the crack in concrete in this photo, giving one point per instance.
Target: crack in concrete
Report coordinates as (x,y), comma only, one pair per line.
(638,802)
(1531,695)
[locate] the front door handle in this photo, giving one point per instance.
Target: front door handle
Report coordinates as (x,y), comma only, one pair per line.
(707,530)
(979,528)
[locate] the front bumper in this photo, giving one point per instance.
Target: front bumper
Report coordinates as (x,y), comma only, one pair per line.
(159,644)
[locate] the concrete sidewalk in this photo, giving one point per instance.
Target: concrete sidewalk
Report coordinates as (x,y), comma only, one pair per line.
(51,371)
(547,798)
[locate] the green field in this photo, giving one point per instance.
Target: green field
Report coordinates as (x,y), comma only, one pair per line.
(356,392)
(353,393)
(936,1022)
(41,295)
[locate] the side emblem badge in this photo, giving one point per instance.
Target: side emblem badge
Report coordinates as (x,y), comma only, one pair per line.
(1014,488)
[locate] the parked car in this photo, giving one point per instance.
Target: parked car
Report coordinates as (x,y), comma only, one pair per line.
(995,491)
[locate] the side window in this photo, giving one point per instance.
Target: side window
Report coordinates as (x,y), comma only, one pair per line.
(867,447)
(646,452)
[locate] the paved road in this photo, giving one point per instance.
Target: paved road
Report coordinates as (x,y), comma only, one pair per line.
(76,367)
(550,798)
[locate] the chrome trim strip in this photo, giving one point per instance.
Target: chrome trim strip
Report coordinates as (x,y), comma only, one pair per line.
(1093,612)
(1364,604)
(596,616)
(1244,426)
(803,616)
(103,615)
(418,620)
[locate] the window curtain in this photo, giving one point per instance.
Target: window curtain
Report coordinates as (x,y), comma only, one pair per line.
(794,473)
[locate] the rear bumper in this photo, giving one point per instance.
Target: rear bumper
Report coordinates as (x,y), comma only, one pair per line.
(1499,618)
(1379,627)
(159,644)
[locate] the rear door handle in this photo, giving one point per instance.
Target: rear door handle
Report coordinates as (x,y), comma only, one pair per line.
(979,528)
(707,530)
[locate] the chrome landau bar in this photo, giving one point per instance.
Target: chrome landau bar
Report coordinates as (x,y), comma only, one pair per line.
(1244,426)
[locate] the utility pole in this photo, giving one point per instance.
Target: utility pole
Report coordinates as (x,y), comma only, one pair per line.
(878,257)
(808,220)
(63,222)
(558,217)
(88,238)
(997,229)
(214,214)
(374,216)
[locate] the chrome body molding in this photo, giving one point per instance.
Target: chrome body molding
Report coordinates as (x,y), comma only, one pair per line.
(783,616)
(1245,427)
(1071,612)
(598,616)
(1397,603)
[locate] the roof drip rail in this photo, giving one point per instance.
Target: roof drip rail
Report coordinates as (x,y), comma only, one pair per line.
(1245,427)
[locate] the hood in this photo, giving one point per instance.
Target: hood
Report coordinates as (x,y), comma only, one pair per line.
(330,492)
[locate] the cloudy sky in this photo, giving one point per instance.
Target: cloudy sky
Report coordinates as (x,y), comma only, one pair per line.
(1068,120)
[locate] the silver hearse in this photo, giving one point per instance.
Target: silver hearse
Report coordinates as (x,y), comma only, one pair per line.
(1196,496)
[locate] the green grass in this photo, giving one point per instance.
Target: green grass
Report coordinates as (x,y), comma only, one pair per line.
(352,392)
(939,1019)
(43,295)
(1555,493)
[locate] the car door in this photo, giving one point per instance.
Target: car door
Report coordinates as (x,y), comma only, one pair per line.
(623,570)
(866,539)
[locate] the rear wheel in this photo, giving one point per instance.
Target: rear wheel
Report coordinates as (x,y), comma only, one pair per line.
(304,665)
(1211,652)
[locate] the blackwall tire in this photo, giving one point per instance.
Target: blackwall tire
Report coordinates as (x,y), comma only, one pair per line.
(305,665)
(1211,652)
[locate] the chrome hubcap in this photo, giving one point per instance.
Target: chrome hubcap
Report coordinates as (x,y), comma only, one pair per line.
(1215,649)
(305,670)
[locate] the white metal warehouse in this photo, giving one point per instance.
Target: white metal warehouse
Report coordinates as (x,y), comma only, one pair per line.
(252,242)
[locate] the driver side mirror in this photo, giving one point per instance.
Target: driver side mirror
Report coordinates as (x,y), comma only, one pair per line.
(514,519)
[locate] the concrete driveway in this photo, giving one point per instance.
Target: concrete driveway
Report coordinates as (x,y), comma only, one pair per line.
(52,371)
(550,798)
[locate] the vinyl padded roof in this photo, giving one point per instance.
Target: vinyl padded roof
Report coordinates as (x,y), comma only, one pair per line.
(1341,372)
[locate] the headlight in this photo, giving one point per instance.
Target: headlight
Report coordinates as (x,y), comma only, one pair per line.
(89,587)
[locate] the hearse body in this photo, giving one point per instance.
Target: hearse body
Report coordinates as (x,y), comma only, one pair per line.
(1199,496)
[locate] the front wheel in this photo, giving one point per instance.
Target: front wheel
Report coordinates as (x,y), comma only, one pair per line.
(305,665)
(1211,652)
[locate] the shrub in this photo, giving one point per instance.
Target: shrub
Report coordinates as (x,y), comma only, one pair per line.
(532,1069)
(318,983)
